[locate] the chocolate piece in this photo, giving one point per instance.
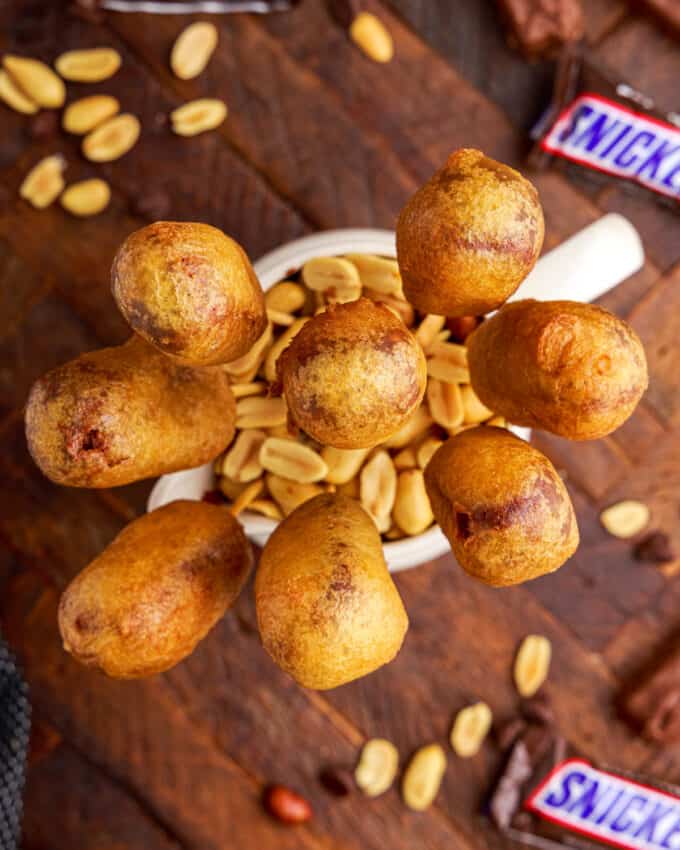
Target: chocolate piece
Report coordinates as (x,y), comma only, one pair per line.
(561,800)
(653,705)
(538,27)
(508,732)
(655,548)
(600,128)
(539,709)
(338,781)
(666,11)
(343,11)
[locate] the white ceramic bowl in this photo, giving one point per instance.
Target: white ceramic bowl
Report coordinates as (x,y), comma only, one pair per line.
(577,269)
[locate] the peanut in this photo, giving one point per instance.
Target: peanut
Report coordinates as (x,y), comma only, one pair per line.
(446,403)
(112,139)
(231,489)
(412,511)
(246,367)
(88,66)
(282,342)
(84,115)
(377,767)
(86,197)
(292,460)
(426,449)
(532,664)
(192,50)
(406,459)
(36,80)
(266,508)
(409,433)
(44,182)
(474,412)
(335,277)
(13,96)
(247,389)
(379,274)
(256,412)
(343,464)
(198,116)
(470,728)
(289,495)
(369,33)
(625,519)
(395,303)
(428,329)
(286,297)
(276,317)
(242,461)
(378,488)
(423,777)
(246,496)
(448,363)
(287,806)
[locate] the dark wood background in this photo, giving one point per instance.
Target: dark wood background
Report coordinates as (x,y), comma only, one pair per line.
(317,137)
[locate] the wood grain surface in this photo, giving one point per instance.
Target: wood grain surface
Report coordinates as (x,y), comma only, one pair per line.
(317,137)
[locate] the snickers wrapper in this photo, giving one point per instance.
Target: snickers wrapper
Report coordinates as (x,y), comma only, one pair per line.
(553,798)
(605,129)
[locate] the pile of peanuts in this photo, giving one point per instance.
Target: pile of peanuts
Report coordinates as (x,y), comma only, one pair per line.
(270,470)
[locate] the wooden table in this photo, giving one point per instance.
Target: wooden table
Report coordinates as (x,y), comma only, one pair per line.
(317,137)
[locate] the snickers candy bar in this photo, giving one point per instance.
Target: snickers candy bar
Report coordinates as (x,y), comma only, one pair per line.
(605,129)
(555,798)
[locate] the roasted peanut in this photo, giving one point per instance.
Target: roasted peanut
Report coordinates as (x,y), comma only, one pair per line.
(256,412)
(267,508)
(242,462)
(112,139)
(247,496)
(246,367)
(448,363)
(13,96)
(378,274)
(532,664)
(428,329)
(474,412)
(86,197)
(282,342)
(276,317)
(369,33)
(378,487)
(342,464)
(82,116)
(411,431)
(406,459)
(470,728)
(198,116)
(285,297)
(287,806)
(44,182)
(292,460)
(289,495)
(36,80)
(335,277)
(423,777)
(412,511)
(426,449)
(377,767)
(248,389)
(192,50)
(88,66)
(625,519)
(395,303)
(446,403)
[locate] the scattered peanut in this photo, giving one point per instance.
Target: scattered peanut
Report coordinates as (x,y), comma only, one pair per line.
(112,139)
(13,96)
(412,511)
(378,487)
(242,461)
(36,80)
(532,664)
(423,777)
(86,197)
(198,116)
(88,66)
(82,116)
(625,519)
(192,50)
(256,412)
(337,278)
(470,727)
(377,767)
(292,460)
(44,182)
(369,33)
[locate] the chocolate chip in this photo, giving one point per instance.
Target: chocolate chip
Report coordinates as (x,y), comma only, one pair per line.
(153,206)
(655,548)
(44,125)
(338,781)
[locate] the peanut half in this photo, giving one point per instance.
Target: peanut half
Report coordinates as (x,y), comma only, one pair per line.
(267,508)
(242,462)
(246,389)
(532,664)
(247,496)
(335,277)
(426,449)
(88,66)
(285,297)
(369,33)
(342,464)
(276,317)
(112,139)
(36,80)
(423,777)
(378,274)
(448,363)
(246,367)
(428,329)
(409,433)
(84,115)
(277,348)
(257,412)
(377,767)
(405,459)
(198,116)
(378,488)
(446,403)
(474,412)
(289,495)
(14,97)
(86,197)
(192,50)
(625,519)
(412,511)
(292,460)
(44,182)
(470,728)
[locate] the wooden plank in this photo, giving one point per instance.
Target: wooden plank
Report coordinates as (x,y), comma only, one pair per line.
(143,738)
(70,803)
(21,288)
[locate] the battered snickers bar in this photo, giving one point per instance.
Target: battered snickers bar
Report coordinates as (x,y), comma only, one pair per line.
(552,797)
(597,125)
